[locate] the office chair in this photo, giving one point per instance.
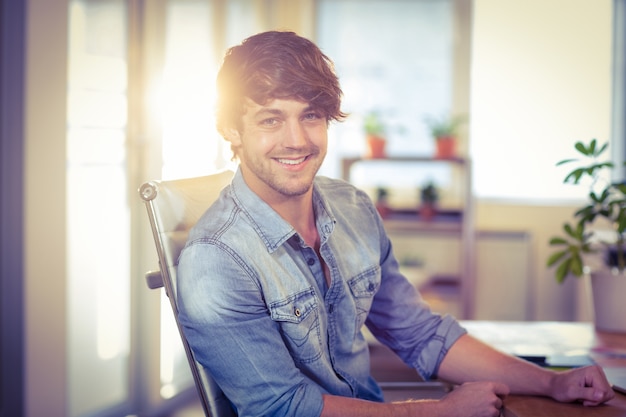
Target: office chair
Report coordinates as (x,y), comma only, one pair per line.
(173,208)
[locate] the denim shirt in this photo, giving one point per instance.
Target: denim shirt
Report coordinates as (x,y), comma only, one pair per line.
(259,316)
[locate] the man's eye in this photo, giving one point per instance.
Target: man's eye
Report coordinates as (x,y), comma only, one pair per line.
(269,122)
(312,116)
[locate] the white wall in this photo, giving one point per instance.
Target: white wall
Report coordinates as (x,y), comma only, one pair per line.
(541,71)
(44,217)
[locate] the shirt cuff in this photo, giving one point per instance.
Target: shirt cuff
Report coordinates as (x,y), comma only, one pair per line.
(448,332)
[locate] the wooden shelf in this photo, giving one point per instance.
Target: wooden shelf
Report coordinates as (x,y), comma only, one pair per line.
(455,297)
(410,221)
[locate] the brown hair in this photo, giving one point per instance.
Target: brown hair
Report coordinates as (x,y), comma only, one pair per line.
(276,65)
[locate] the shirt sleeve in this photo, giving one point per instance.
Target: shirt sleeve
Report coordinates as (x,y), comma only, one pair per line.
(230,331)
(402,320)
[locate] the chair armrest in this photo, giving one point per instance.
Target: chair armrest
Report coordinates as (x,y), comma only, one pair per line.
(154,279)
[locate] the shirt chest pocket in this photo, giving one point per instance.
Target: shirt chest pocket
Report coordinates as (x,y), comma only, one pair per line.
(298,318)
(363,287)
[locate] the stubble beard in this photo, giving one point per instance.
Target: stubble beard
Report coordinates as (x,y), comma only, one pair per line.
(284,183)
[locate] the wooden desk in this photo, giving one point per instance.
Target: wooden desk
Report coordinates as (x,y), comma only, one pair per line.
(554,338)
(522,338)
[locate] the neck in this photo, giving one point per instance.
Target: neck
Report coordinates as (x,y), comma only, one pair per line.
(298,211)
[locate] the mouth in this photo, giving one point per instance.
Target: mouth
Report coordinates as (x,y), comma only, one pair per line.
(292,162)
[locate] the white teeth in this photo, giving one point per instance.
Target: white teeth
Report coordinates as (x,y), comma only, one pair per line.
(292,161)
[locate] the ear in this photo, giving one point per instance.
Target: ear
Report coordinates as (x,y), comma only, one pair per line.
(232,135)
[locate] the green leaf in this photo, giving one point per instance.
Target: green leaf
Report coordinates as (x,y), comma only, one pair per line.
(562,271)
(605,194)
(566,161)
(580,147)
(558,241)
(576,265)
(574,176)
(555,257)
(586,247)
(580,230)
(602,149)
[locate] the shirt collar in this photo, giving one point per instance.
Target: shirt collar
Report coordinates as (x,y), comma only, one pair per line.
(270,226)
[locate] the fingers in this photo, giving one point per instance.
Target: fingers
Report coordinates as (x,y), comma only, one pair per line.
(587,385)
(479,398)
(594,396)
(500,389)
(597,388)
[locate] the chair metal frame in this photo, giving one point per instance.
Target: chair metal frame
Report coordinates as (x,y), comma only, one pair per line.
(173,208)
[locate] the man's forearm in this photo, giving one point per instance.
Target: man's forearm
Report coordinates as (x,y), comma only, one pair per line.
(475,399)
(335,406)
(472,360)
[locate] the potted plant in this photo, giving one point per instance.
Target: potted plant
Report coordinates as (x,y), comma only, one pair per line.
(375,135)
(606,204)
(428,201)
(381,202)
(444,131)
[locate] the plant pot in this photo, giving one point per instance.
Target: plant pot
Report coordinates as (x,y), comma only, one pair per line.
(609,306)
(383,209)
(427,211)
(445,147)
(376,147)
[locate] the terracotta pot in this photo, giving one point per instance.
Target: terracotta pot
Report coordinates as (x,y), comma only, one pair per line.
(446,147)
(609,292)
(376,147)
(427,211)
(383,210)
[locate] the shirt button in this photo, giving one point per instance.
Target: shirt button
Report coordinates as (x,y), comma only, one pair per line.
(372,286)
(297,312)
(310,261)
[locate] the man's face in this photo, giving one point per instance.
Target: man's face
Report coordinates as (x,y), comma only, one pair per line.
(281,146)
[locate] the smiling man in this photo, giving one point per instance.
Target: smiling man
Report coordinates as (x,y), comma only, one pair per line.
(281,273)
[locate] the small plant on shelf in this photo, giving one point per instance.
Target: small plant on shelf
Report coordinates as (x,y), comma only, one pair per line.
(381,202)
(444,131)
(429,196)
(375,134)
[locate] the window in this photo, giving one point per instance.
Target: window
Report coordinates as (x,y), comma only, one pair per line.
(191,144)
(97,208)
(392,57)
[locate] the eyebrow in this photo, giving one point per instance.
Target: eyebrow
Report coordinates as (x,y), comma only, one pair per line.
(268,111)
(277,112)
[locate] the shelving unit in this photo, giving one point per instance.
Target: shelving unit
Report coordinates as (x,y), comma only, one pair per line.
(446,292)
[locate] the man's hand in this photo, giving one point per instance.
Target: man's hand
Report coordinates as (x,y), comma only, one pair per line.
(472,399)
(475,399)
(587,385)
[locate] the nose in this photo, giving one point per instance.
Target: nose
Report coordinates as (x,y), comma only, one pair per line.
(296,135)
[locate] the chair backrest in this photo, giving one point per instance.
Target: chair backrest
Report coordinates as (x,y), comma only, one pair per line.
(173,208)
